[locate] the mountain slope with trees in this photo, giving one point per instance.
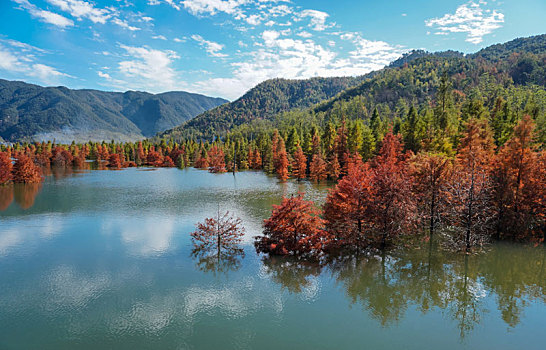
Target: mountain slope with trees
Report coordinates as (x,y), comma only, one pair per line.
(31,112)
(263,102)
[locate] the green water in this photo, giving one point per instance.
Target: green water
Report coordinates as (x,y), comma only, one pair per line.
(103,260)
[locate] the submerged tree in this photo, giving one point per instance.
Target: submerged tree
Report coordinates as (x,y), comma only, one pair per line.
(25,171)
(430,174)
(216,242)
(294,228)
(5,168)
(468,192)
(217,162)
(519,190)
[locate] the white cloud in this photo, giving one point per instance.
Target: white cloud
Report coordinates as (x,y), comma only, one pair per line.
(469,18)
(318,19)
(211,7)
(82,9)
(45,16)
(148,69)
(19,59)
(124,24)
(180,40)
(211,47)
(289,58)
(305,34)
(159,37)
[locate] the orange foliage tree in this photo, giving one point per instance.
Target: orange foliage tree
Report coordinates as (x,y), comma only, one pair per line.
(372,204)
(294,228)
(217,163)
(299,165)
(518,187)
(114,161)
(25,171)
(281,160)
(222,233)
(317,168)
(6,167)
(346,209)
(430,174)
(469,211)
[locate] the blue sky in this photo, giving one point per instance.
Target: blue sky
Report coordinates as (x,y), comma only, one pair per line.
(224,47)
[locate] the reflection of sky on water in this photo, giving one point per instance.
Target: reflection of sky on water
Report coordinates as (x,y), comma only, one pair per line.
(88,263)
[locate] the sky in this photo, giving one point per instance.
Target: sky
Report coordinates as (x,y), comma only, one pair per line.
(225,47)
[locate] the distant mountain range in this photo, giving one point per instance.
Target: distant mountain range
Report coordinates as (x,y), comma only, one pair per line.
(31,112)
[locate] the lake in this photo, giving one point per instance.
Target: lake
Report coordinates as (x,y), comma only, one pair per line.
(103,260)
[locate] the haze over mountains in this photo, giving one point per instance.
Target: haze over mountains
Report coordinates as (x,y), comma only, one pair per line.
(31,112)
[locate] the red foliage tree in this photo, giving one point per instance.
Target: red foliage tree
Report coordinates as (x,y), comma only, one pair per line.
(281,161)
(154,158)
(517,193)
(6,167)
(114,161)
(372,205)
(221,233)
(346,209)
(393,207)
(25,171)
(469,190)
(317,168)
(167,162)
(217,160)
(430,174)
(293,228)
(299,165)
(333,167)
(62,157)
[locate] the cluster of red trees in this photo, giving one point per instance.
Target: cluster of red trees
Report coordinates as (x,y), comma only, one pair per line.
(478,195)
(23,170)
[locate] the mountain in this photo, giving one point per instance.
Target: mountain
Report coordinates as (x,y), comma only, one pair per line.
(263,102)
(31,112)
(412,79)
(503,81)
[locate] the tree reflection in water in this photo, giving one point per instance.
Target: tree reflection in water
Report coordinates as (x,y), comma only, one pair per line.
(6,196)
(25,194)
(290,272)
(428,279)
(218,261)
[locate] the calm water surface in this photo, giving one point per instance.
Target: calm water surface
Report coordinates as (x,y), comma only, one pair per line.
(103,260)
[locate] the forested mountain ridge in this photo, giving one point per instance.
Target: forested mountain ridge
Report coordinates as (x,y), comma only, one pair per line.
(263,102)
(514,71)
(32,112)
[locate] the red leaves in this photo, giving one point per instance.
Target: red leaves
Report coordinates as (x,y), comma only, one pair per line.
(114,161)
(317,169)
(222,232)
(6,167)
(280,160)
(217,162)
(299,165)
(372,204)
(25,171)
(293,228)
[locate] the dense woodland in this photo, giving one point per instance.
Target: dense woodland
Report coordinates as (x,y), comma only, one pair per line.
(445,144)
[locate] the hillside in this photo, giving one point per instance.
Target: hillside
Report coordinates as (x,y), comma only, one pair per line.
(263,102)
(31,112)
(514,71)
